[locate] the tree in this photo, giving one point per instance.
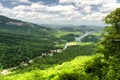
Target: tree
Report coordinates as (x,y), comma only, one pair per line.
(111,47)
(107,67)
(111,41)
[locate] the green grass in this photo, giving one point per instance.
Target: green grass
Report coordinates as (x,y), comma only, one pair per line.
(53,73)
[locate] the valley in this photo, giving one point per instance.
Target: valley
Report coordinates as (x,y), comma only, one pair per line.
(29,51)
(45,47)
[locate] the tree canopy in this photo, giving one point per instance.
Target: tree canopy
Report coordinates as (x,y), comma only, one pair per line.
(111,41)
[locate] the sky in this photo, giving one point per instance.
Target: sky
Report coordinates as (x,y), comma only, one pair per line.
(63,12)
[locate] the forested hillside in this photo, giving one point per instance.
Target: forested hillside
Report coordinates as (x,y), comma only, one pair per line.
(22,41)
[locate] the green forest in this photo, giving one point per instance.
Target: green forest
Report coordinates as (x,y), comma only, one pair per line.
(32,52)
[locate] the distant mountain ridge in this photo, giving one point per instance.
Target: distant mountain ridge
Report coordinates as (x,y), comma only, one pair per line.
(9,21)
(10,25)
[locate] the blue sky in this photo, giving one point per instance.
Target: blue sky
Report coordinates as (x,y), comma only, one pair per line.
(75,12)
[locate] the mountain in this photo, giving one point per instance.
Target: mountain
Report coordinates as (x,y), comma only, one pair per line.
(13,22)
(21,27)
(26,48)
(21,41)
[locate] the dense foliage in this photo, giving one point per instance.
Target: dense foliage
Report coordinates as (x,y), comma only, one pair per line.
(21,41)
(107,67)
(71,70)
(67,55)
(27,42)
(17,48)
(111,40)
(91,38)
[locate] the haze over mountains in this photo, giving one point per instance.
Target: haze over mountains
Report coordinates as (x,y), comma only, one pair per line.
(7,23)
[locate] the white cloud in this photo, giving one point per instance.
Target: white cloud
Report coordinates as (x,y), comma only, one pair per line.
(88,2)
(24,1)
(1,6)
(87,9)
(68,1)
(97,16)
(36,6)
(109,7)
(81,12)
(68,8)
(41,7)
(20,8)
(89,13)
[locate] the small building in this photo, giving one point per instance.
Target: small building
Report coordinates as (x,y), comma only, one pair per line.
(44,54)
(30,61)
(51,54)
(59,51)
(54,51)
(23,64)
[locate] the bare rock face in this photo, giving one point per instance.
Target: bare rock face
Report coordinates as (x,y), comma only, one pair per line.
(15,23)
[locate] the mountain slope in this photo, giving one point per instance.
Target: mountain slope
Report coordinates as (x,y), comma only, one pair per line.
(21,41)
(73,68)
(21,27)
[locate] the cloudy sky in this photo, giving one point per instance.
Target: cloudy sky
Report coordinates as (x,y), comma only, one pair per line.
(80,12)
